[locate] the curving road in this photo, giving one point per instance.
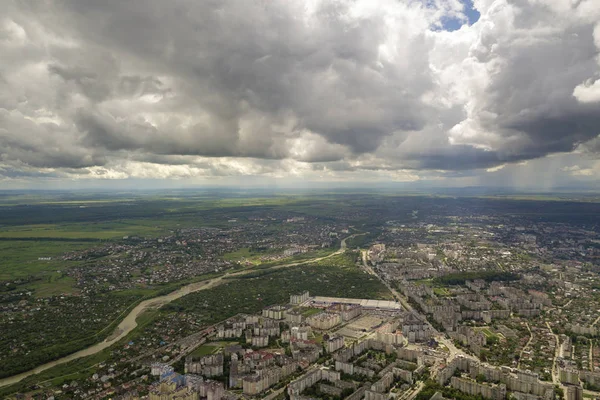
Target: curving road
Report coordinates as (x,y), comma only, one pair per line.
(526,346)
(129,323)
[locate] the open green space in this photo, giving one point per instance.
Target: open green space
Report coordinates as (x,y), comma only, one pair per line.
(307,312)
(487,332)
(304,256)
(52,285)
(346,260)
(22,258)
(209,348)
(441,291)
(81,231)
(459,278)
(237,255)
(204,350)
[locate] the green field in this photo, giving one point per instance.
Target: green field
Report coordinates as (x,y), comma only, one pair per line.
(81,231)
(20,258)
(487,332)
(54,284)
(210,348)
(441,291)
(246,255)
(307,312)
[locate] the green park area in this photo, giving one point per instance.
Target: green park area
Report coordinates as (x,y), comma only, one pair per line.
(487,332)
(210,348)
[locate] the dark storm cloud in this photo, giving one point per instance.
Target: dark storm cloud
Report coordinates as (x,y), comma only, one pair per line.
(457,157)
(43,145)
(592,146)
(344,85)
(531,97)
(240,64)
(23,172)
(104,131)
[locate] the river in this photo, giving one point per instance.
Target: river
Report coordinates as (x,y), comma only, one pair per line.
(129,323)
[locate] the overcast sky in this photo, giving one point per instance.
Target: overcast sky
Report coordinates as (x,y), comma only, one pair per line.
(263,91)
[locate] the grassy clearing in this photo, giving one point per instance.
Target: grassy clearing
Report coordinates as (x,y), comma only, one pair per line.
(318,337)
(310,255)
(146,317)
(210,348)
(307,312)
(96,230)
(487,332)
(22,258)
(441,291)
(346,260)
(245,254)
(426,282)
(54,284)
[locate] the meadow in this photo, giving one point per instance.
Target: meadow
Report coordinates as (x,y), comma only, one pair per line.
(21,258)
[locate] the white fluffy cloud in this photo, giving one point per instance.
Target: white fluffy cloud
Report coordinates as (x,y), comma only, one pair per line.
(321,89)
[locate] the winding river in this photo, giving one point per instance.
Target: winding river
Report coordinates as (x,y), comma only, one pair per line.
(129,323)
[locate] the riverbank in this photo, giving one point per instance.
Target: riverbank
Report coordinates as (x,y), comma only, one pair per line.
(128,324)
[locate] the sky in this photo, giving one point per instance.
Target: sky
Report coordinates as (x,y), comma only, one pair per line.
(446,93)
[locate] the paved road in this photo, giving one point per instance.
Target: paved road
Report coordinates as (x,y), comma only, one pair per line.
(527,345)
(555,377)
(129,323)
(412,393)
(275,393)
(397,295)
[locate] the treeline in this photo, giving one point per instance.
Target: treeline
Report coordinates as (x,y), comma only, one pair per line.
(459,278)
(51,239)
(251,275)
(41,356)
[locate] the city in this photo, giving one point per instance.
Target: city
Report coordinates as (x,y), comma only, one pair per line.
(365,302)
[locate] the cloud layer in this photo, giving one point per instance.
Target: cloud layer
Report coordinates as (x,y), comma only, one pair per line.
(184,89)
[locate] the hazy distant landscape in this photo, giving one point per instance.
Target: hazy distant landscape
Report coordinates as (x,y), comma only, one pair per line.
(75,264)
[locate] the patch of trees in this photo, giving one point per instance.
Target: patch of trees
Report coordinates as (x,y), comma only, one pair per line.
(431,387)
(459,278)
